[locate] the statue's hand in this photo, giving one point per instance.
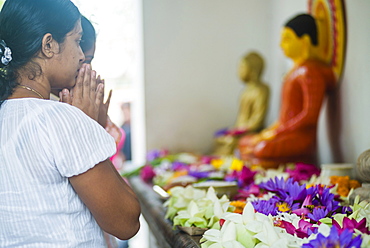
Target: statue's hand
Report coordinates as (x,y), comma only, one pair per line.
(237,131)
(255,139)
(268,134)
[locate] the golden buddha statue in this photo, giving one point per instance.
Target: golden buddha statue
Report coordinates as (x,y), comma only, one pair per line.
(292,138)
(253,104)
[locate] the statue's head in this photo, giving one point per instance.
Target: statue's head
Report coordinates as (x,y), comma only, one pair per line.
(251,67)
(304,24)
(298,36)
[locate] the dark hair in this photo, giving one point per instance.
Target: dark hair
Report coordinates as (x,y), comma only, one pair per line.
(304,24)
(88,38)
(23,24)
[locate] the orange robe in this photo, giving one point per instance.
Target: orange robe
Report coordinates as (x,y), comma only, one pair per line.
(303,93)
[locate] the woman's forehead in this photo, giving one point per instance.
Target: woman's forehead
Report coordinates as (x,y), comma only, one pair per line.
(77,29)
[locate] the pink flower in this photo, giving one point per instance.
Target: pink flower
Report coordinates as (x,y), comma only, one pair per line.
(207,159)
(244,177)
(352,224)
(304,229)
(303,172)
(303,210)
(147,173)
(248,191)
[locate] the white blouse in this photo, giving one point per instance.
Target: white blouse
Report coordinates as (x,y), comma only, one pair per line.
(42,144)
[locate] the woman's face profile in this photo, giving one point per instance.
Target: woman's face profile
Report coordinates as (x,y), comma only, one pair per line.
(69,59)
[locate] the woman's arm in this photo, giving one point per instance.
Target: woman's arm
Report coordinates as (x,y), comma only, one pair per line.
(111,201)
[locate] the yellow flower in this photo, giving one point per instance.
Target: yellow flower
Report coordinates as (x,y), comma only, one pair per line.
(312,185)
(217,163)
(354,184)
(283,207)
(177,174)
(236,165)
(239,206)
(255,167)
(343,190)
(344,184)
(309,185)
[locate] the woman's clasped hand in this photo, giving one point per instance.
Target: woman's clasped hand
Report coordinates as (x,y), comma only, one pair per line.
(87,94)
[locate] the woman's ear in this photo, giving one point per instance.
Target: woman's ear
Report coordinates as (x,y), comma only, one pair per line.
(49,46)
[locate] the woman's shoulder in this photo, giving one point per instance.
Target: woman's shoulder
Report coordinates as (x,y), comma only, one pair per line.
(68,113)
(35,103)
(62,108)
(46,111)
(54,111)
(34,106)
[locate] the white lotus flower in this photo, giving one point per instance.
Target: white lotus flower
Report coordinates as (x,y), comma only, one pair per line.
(192,216)
(270,237)
(224,238)
(361,210)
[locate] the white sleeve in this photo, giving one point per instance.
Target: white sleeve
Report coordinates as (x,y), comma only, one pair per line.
(78,142)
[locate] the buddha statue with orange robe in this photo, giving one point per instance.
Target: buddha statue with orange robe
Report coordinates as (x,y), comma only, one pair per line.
(292,138)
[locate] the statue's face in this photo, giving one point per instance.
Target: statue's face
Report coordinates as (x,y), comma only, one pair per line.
(244,70)
(291,44)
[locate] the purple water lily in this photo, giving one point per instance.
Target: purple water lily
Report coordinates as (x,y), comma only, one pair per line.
(275,185)
(295,191)
(199,174)
(287,191)
(266,206)
(177,166)
(335,239)
(315,202)
(318,213)
(156,153)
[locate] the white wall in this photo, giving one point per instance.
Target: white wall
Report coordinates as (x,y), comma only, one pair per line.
(191,52)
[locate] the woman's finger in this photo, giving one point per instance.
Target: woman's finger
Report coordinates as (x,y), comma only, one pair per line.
(65,96)
(86,82)
(108,99)
(100,81)
(99,94)
(77,89)
(93,84)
